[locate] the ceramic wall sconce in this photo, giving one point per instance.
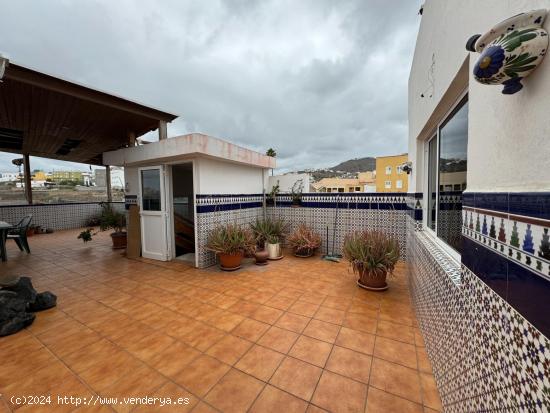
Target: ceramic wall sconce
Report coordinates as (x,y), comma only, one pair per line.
(510,51)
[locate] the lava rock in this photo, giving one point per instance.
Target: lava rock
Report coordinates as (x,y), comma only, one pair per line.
(43,301)
(13,315)
(24,289)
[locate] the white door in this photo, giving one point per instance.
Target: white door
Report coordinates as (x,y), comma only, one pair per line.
(154,241)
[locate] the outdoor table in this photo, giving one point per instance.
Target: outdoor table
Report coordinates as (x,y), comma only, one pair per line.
(4,228)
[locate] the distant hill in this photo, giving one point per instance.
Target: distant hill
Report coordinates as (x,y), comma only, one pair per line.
(347,169)
(356,165)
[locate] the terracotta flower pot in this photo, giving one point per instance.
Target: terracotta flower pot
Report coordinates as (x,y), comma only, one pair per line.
(261,257)
(119,240)
(372,282)
(230,262)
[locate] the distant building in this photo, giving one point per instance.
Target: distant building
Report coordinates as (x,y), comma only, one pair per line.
(74,176)
(389,175)
(9,176)
(365,182)
(117,177)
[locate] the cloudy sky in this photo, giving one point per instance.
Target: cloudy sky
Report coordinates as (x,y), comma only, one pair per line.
(321,81)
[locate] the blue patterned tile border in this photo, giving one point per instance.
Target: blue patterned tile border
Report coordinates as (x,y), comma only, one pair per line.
(229,202)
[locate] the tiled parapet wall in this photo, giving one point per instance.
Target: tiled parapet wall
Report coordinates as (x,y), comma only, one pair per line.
(485,355)
(507,245)
(55,216)
(214,210)
(343,213)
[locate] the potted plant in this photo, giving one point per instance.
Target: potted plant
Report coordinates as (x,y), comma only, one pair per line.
(230,242)
(372,256)
(296,193)
(268,234)
(271,196)
(304,241)
(112,219)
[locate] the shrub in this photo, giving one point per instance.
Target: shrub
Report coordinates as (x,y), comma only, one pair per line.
(268,229)
(304,240)
(231,239)
(371,253)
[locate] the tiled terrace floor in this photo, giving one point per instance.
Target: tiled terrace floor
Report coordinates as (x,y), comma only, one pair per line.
(294,336)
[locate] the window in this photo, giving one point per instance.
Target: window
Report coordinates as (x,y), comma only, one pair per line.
(340,189)
(357,189)
(350,189)
(150,189)
(399,184)
(387,184)
(447,166)
(329,189)
(388,170)
(399,170)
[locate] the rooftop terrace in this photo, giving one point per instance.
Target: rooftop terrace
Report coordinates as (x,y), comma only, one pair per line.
(295,336)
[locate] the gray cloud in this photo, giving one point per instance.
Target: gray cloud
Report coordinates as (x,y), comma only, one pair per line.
(321,81)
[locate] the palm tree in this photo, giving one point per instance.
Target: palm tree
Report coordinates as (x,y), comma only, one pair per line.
(271,152)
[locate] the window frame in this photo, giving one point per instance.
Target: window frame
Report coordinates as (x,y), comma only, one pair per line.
(386,184)
(435,134)
(388,167)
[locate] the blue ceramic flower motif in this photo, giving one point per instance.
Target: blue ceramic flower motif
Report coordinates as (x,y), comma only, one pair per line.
(489,63)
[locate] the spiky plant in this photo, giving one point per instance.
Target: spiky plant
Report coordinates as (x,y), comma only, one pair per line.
(265,229)
(304,240)
(371,254)
(231,239)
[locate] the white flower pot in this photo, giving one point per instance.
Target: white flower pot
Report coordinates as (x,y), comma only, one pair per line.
(274,250)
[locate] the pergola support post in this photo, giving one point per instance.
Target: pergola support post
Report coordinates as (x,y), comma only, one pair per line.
(108,183)
(27,177)
(163,130)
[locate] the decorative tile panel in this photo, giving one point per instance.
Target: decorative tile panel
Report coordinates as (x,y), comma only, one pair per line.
(55,216)
(485,355)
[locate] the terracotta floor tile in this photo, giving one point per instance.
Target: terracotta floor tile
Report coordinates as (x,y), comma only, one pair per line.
(322,330)
(229,349)
(290,293)
(361,322)
(330,315)
(202,407)
(244,308)
(282,303)
(314,409)
(356,340)
(235,392)
(260,362)
(350,363)
(173,359)
(379,401)
(152,345)
(201,374)
(203,337)
(396,379)
(311,350)
(175,393)
(278,339)
(313,298)
(86,357)
(395,331)
(339,394)
(250,329)
(273,400)
(226,321)
(418,338)
(430,394)
(259,297)
(107,371)
(224,301)
(296,377)
(303,308)
(266,314)
(395,351)
(337,303)
(292,322)
(424,363)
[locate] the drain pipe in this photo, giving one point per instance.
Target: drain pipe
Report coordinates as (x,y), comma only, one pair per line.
(264,206)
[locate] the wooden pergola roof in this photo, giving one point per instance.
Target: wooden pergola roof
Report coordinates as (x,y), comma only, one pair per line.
(45,116)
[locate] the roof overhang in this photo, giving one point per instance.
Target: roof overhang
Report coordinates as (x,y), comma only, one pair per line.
(186,147)
(45,116)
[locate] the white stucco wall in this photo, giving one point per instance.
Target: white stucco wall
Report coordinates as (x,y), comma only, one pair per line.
(219,177)
(508,135)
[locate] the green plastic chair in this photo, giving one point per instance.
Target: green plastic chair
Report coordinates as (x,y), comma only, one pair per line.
(19,233)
